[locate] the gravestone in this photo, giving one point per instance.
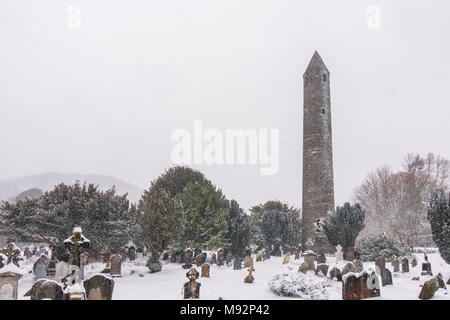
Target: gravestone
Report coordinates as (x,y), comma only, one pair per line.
(335,273)
(115,269)
(321,258)
(309,257)
(405,265)
(205,270)
(131,253)
(40,268)
(173,257)
(426,268)
(380,265)
(188,259)
(220,257)
(396,265)
(339,255)
(297,254)
(99,287)
(321,270)
(248,262)
(192,288)
(429,289)
(360,287)
(200,259)
(304,267)
(414,262)
(250,278)
(286,259)
(213,259)
(359,266)
(165,256)
(12,252)
(349,267)
(229,258)
(61,269)
(386,277)
(28,254)
(259,256)
(51,269)
(441,282)
(45,289)
(237,265)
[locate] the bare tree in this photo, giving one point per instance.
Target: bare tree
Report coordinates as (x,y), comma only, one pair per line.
(394,201)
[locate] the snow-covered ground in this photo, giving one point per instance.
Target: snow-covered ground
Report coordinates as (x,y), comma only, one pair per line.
(229,284)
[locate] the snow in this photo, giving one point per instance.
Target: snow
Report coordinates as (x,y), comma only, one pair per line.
(12,268)
(229,284)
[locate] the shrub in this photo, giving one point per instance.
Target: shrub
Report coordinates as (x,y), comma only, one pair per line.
(372,248)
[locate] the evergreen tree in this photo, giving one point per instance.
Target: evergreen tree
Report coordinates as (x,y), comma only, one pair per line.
(343,226)
(161,222)
(205,217)
(102,215)
(280,228)
(439,218)
(238,228)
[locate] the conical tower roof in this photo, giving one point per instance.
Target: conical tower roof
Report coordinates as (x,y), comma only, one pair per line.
(316,64)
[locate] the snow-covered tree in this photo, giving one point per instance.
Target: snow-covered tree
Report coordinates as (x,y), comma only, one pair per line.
(343,226)
(439,217)
(102,215)
(238,228)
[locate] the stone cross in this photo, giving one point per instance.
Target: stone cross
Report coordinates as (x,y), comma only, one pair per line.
(75,244)
(192,288)
(10,251)
(250,278)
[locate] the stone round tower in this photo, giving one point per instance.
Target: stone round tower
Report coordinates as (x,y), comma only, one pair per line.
(318,186)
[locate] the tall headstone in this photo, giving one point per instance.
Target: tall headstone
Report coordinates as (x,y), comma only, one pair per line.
(40,268)
(116,265)
(192,287)
(318,185)
(339,255)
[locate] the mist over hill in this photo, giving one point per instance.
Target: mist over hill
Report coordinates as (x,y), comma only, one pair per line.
(10,189)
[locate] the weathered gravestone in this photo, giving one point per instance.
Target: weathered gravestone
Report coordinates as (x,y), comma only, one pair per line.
(286,259)
(9,281)
(405,265)
(440,279)
(383,272)
(349,267)
(426,268)
(115,269)
(200,259)
(220,257)
(360,287)
(45,289)
(396,265)
(28,253)
(380,265)
(309,257)
(205,270)
(213,259)
(40,268)
(359,266)
(322,270)
(165,256)
(99,287)
(414,262)
(192,288)
(187,259)
(259,256)
(248,262)
(335,273)
(250,278)
(237,265)
(429,288)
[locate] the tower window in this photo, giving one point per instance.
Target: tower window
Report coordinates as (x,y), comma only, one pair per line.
(324,77)
(323,110)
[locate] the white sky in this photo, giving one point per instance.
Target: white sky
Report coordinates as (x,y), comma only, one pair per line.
(105,99)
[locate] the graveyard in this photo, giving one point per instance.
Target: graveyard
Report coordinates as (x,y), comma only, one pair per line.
(132,280)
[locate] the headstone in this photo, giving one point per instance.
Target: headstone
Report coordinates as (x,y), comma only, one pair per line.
(213,259)
(28,253)
(12,252)
(429,288)
(396,265)
(237,265)
(259,256)
(360,287)
(173,257)
(359,266)
(441,282)
(405,265)
(205,270)
(115,265)
(339,255)
(61,269)
(426,268)
(349,267)
(321,258)
(322,270)
(414,262)
(40,268)
(286,259)
(192,288)
(188,260)
(335,273)
(131,253)
(165,256)
(229,258)
(248,262)
(51,270)
(310,257)
(297,254)
(304,267)
(46,289)
(220,257)
(386,277)
(99,287)
(250,278)
(200,259)
(380,265)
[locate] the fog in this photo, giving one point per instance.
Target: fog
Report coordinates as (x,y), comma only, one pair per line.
(106,98)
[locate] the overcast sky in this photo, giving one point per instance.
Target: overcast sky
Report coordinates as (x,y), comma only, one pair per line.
(106,98)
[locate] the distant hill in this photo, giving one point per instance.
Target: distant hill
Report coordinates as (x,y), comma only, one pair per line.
(30,194)
(10,189)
